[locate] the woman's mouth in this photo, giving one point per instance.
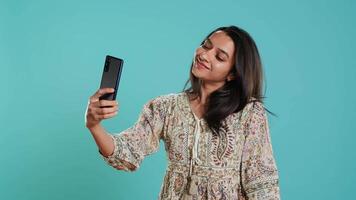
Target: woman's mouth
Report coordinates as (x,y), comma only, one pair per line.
(201,65)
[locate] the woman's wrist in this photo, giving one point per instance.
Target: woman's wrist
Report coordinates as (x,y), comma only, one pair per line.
(95,128)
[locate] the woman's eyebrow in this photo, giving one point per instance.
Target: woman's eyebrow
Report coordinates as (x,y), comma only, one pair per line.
(219,48)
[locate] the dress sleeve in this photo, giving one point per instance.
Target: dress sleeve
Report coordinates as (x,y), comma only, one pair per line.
(141,139)
(259,174)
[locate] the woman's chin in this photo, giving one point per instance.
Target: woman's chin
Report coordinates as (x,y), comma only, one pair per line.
(198,73)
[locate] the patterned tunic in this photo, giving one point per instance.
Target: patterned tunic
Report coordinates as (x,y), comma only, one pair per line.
(237,165)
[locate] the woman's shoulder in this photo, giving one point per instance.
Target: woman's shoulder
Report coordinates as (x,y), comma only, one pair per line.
(253,107)
(256,112)
(167,96)
(165,99)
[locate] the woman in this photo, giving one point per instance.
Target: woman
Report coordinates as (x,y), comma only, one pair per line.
(216,132)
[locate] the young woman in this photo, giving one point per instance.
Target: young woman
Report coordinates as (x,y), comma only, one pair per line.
(216,132)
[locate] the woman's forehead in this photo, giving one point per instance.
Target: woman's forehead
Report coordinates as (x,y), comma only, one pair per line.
(221,40)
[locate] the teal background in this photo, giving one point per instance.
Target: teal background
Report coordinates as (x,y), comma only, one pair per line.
(51,59)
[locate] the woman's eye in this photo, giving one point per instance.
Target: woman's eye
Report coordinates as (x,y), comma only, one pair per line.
(217,57)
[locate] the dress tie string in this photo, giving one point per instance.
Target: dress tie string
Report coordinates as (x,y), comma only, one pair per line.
(192,181)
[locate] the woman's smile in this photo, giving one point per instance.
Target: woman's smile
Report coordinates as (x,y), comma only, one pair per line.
(200,65)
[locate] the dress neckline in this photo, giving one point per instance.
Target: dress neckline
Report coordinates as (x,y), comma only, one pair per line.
(190,107)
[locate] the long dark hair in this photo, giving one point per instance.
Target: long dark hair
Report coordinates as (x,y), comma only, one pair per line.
(235,94)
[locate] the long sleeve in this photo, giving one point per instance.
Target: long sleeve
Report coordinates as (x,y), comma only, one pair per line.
(259,174)
(141,139)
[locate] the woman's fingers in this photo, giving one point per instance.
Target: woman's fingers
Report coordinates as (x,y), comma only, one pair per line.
(104,110)
(100,93)
(103,103)
(108,115)
(100,109)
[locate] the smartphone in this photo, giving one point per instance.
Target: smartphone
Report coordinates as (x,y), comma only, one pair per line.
(111,76)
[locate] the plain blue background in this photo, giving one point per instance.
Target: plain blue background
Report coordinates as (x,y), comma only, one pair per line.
(51,59)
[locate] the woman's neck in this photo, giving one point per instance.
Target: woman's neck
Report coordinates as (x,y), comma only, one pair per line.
(198,105)
(206,89)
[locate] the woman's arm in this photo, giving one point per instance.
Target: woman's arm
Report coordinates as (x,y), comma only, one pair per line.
(132,145)
(102,140)
(98,110)
(259,174)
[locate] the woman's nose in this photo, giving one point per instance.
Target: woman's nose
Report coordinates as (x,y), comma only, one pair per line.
(204,56)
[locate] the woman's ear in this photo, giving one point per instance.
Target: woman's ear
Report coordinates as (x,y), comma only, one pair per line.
(230,77)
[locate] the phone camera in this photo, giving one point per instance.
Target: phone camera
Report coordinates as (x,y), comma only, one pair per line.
(106,67)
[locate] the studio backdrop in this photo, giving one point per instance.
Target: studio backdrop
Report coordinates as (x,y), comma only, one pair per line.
(51,60)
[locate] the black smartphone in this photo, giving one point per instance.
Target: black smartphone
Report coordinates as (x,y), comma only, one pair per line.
(111,76)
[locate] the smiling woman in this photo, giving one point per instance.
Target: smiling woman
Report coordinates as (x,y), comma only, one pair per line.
(216,132)
(232,74)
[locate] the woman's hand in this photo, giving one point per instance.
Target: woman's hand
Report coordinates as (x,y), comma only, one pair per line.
(98,110)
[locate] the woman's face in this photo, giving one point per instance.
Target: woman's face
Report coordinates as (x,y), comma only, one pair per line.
(214,59)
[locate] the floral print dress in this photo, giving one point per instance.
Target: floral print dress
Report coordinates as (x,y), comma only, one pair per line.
(237,165)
